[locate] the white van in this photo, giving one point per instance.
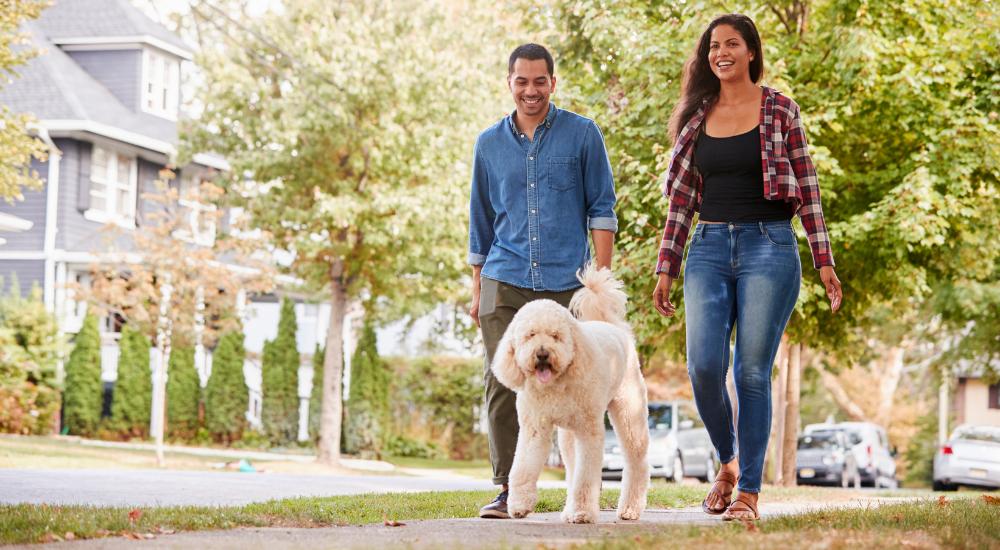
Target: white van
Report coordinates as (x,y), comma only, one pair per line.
(874,456)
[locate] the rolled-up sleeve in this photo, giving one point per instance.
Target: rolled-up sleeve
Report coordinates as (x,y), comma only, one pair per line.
(598,182)
(481,213)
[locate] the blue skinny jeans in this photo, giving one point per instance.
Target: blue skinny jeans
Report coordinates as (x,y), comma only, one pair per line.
(744,276)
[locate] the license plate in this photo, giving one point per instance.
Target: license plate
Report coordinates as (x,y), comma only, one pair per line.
(975,472)
(807,472)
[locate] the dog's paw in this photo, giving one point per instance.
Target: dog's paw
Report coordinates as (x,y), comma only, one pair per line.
(518,512)
(567,515)
(629,513)
(584,517)
(520,505)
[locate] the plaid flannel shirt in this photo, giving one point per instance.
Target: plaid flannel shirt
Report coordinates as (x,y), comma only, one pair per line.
(789,175)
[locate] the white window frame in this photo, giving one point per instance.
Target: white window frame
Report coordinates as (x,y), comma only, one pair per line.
(112,211)
(196,210)
(160,93)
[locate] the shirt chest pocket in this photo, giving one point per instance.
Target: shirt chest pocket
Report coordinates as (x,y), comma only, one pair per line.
(562,173)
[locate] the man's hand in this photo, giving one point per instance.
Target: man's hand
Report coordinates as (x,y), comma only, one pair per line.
(661,296)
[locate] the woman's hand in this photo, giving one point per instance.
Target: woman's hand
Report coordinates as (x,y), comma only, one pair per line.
(832,285)
(661,295)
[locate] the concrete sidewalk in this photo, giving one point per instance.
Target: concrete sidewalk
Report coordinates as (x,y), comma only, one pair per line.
(531,532)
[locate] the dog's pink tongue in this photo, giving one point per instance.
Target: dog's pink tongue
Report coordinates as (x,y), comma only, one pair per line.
(544,375)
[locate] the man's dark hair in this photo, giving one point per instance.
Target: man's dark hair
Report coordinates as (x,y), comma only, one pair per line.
(531,52)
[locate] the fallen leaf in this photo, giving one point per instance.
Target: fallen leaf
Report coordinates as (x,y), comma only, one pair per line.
(50,537)
(131,535)
(162,531)
(391,522)
(897,517)
(135,515)
(70,535)
(995,501)
(750,525)
(102,532)
(942,501)
(148,536)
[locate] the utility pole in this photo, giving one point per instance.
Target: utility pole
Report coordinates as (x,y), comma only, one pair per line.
(160,373)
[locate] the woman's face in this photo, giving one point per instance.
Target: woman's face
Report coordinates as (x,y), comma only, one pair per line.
(728,54)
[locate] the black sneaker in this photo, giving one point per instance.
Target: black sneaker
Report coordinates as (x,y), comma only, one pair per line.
(496,509)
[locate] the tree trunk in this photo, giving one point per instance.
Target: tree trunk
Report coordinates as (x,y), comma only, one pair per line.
(331,412)
(778,384)
(944,392)
(889,381)
(791,428)
(839,394)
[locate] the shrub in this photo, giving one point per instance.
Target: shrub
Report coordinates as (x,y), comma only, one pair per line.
(226,394)
(28,409)
(183,394)
(400,445)
(83,395)
(280,380)
(368,405)
(316,395)
(132,400)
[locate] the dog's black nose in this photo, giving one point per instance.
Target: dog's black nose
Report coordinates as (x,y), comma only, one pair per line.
(542,354)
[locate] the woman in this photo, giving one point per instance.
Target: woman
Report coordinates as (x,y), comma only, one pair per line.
(740,159)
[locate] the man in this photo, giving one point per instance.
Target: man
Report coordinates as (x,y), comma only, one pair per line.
(541,179)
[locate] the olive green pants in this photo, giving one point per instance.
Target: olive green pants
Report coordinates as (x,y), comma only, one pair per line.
(498,302)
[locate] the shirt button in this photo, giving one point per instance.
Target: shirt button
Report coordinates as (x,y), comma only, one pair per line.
(534,238)
(522,135)
(534,264)
(532,210)
(532,184)
(531,158)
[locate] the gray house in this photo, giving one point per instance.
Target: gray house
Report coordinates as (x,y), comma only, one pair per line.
(106,90)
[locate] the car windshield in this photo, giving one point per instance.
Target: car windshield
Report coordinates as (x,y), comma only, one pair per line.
(978,433)
(818,441)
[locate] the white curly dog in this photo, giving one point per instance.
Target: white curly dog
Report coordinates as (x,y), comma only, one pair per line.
(566,373)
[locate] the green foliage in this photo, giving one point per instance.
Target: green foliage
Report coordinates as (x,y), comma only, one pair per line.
(132,401)
(183,393)
(280,380)
(17,146)
(400,445)
(29,339)
(83,394)
(437,399)
(919,454)
(226,394)
(368,406)
(316,394)
(899,99)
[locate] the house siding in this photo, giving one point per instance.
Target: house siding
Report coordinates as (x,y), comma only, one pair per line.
(27,272)
(32,208)
(120,71)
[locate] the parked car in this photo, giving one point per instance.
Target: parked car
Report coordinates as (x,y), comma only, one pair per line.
(970,457)
(678,445)
(875,458)
(824,457)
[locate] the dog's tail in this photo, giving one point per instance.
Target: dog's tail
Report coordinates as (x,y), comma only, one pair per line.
(601,298)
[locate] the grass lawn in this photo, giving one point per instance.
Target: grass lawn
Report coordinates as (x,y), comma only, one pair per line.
(970,519)
(967,523)
(478,469)
(37,452)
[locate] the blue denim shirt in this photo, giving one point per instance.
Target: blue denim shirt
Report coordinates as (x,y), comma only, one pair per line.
(533,201)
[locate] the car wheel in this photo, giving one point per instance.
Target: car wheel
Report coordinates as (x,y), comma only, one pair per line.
(941,486)
(678,470)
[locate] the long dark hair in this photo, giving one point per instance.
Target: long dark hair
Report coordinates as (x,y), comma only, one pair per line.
(699,82)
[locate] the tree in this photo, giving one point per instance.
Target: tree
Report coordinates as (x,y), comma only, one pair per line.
(183,393)
(350,117)
(899,99)
(131,402)
(17,146)
(226,395)
(368,406)
(83,395)
(280,380)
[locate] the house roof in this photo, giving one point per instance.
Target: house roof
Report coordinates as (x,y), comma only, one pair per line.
(64,97)
(106,21)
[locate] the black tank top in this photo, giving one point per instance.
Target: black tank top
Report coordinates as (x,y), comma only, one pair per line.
(733,180)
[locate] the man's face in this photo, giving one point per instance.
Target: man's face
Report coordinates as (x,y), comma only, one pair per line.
(531,85)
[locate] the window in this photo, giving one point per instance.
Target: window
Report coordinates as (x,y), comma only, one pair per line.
(994,398)
(160,84)
(113,182)
(197,221)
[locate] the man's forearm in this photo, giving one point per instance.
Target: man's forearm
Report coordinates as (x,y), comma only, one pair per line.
(604,244)
(476,270)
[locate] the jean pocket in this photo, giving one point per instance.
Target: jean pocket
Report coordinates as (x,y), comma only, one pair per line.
(562,173)
(780,236)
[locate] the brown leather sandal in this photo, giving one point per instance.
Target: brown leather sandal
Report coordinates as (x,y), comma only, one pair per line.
(740,507)
(724,477)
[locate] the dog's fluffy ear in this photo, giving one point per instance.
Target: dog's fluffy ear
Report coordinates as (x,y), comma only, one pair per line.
(505,366)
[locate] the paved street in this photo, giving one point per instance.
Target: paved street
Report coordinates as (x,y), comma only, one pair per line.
(178,487)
